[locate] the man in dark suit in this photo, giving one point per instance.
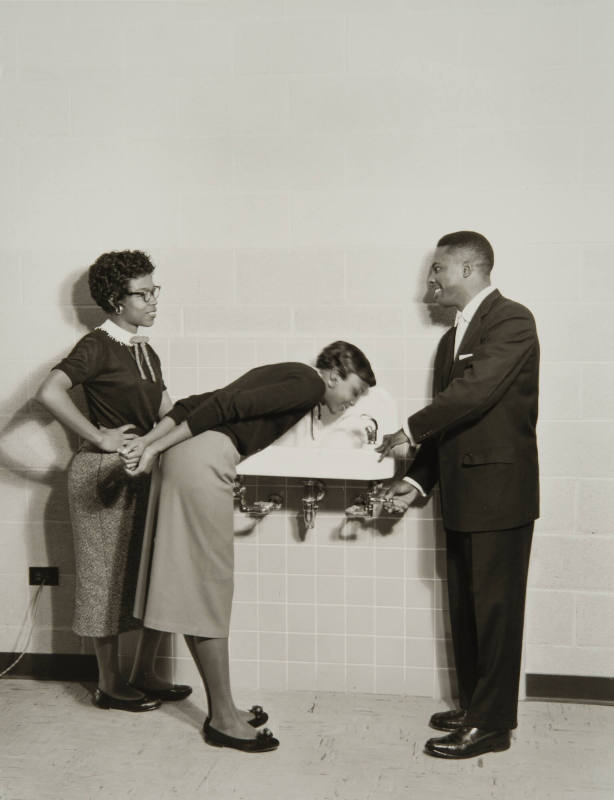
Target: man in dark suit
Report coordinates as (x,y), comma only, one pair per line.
(476,439)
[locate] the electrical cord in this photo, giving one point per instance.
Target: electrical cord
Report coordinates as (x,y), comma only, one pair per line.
(33,609)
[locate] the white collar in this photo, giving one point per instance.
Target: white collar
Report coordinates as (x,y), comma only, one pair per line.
(472,306)
(113,330)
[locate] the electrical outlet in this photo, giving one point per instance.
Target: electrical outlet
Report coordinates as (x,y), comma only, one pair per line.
(50,576)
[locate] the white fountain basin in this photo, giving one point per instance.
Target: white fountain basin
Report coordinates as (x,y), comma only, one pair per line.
(318,462)
(331,446)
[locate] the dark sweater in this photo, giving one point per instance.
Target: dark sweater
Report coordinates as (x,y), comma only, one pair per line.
(256,408)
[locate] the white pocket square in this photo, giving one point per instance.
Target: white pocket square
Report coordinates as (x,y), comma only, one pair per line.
(465,355)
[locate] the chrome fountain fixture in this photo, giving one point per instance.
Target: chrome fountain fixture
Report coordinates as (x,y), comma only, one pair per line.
(366,505)
(259,508)
(370,428)
(313,492)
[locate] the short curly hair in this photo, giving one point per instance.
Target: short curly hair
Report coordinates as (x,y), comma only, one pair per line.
(111,273)
(346,358)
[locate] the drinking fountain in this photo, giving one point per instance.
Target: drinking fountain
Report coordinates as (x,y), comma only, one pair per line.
(337,447)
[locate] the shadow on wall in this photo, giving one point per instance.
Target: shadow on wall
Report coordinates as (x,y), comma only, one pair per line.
(431,312)
(88,314)
(34,453)
(444,318)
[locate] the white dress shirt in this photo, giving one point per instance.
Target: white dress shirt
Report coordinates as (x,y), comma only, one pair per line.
(464,317)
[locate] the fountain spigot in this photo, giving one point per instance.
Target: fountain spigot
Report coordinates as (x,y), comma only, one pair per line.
(314,491)
(370,428)
(366,505)
(258,508)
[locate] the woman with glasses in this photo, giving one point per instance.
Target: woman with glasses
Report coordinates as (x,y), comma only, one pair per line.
(125,395)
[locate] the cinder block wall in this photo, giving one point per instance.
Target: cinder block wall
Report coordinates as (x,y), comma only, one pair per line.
(289,166)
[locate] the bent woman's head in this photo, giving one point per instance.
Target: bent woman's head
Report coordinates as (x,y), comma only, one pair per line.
(346,359)
(121,284)
(347,374)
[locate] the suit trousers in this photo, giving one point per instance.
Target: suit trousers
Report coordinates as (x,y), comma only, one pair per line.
(487,579)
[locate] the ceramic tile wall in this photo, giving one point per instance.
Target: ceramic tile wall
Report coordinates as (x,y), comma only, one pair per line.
(289,165)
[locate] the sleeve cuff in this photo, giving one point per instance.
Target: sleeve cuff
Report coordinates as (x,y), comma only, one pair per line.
(407,432)
(416,485)
(178,415)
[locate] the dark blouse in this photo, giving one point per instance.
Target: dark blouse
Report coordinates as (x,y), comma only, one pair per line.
(256,408)
(114,389)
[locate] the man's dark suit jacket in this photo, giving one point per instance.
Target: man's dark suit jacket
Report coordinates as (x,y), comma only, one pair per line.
(478,434)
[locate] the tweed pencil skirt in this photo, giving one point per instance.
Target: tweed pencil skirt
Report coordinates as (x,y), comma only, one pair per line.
(187,568)
(107,511)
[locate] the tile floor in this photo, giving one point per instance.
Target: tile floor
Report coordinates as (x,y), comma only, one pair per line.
(54,745)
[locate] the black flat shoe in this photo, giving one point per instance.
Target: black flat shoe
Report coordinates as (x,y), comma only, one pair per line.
(467,743)
(448,720)
(263,742)
(259,718)
(168,695)
(145,703)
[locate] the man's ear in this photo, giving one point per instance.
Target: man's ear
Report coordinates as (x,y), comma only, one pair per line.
(467,269)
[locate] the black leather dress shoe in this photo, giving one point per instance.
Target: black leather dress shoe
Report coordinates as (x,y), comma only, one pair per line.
(468,742)
(168,695)
(448,720)
(145,703)
(263,742)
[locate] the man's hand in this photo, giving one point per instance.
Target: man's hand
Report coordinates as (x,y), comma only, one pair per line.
(400,494)
(390,441)
(144,465)
(113,439)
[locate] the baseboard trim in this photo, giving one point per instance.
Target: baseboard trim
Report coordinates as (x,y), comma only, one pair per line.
(570,688)
(51,666)
(77,667)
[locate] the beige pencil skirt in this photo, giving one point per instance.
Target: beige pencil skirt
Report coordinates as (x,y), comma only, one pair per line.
(186,578)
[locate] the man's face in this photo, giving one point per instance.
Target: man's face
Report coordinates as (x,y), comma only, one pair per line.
(341,393)
(446,277)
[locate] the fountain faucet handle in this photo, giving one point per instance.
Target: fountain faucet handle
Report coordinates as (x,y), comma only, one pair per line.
(370,428)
